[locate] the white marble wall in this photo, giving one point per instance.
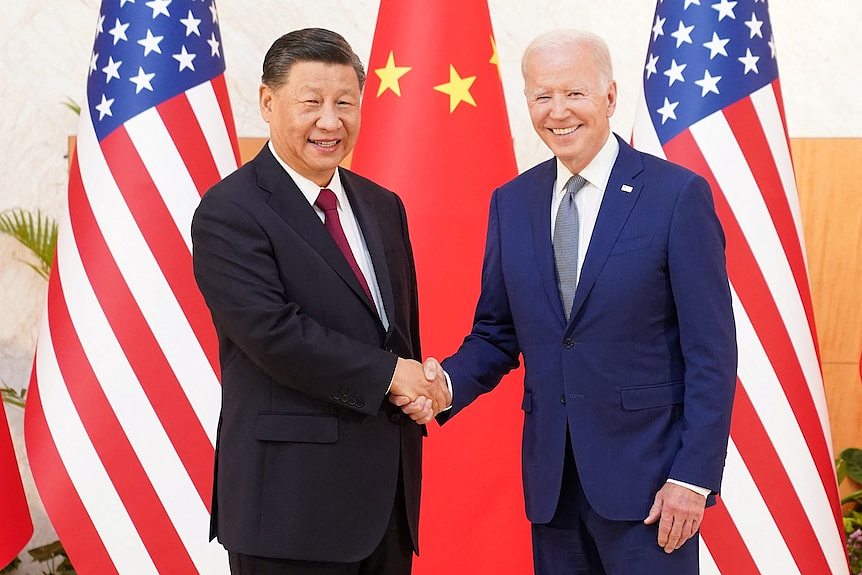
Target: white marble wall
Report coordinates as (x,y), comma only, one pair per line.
(45,47)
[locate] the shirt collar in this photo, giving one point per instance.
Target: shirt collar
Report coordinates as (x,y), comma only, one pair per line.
(308,188)
(598,171)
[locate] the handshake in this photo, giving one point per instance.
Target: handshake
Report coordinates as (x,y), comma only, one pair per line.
(420,390)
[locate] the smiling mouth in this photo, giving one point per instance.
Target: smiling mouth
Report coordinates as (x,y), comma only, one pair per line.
(325,143)
(563,131)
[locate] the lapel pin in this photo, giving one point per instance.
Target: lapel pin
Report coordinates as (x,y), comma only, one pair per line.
(627,188)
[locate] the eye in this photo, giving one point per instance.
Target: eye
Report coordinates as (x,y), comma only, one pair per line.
(543,98)
(311,102)
(575,94)
(345,104)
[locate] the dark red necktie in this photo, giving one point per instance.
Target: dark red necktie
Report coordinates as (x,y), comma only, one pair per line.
(326,201)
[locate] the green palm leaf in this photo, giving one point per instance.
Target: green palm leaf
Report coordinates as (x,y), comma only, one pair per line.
(36,232)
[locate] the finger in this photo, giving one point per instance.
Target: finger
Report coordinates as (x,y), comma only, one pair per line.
(399,400)
(423,417)
(418,406)
(686,533)
(442,399)
(665,525)
(654,512)
(675,534)
(432,369)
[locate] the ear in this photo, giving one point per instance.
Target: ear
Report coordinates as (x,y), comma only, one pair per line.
(265,101)
(612,98)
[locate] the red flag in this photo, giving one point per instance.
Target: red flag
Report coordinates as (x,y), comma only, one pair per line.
(15,524)
(435,131)
(712,102)
(124,401)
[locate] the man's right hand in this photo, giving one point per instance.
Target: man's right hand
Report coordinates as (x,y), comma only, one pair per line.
(413,381)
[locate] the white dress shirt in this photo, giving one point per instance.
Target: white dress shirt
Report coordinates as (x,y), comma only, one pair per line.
(355,239)
(589,199)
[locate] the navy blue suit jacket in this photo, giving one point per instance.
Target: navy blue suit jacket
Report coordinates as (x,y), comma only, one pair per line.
(644,372)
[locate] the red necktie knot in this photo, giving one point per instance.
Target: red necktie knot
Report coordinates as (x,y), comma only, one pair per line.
(326,200)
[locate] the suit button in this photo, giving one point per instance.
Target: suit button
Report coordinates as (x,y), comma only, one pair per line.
(569,343)
(360,404)
(563,399)
(351,402)
(395,418)
(336,396)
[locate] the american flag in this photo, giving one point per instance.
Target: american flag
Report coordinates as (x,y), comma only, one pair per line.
(124,400)
(712,102)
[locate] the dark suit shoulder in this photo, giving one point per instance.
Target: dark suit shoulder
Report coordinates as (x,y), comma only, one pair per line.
(234,187)
(369,188)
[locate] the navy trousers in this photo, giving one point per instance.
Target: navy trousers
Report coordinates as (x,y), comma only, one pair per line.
(578,541)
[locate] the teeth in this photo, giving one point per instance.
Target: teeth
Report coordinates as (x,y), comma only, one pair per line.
(326,144)
(562,131)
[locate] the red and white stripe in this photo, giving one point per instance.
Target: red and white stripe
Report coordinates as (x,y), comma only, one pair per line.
(778,511)
(125,395)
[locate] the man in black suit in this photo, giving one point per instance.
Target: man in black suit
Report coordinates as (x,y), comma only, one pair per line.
(308,272)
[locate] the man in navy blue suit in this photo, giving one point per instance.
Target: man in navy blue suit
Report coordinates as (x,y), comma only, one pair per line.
(605,268)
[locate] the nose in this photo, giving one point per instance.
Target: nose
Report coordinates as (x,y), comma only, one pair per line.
(558,107)
(329,118)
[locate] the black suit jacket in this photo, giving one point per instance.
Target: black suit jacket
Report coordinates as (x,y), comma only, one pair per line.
(308,450)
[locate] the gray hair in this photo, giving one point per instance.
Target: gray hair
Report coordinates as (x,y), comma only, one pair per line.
(308,45)
(561,39)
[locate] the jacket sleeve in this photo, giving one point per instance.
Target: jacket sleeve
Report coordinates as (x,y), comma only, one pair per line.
(491,350)
(698,277)
(238,275)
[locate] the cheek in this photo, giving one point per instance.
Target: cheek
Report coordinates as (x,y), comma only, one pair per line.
(537,115)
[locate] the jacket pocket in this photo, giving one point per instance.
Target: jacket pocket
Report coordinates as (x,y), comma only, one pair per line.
(624,245)
(527,402)
(295,427)
(652,396)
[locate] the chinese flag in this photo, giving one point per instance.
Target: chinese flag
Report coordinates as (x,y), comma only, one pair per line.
(15,524)
(435,131)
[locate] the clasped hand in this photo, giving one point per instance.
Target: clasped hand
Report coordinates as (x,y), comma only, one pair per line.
(419,390)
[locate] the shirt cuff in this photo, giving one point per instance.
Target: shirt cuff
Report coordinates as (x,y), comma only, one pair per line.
(699,490)
(391,379)
(451,394)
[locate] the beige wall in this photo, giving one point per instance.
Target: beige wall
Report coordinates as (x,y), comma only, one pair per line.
(45,47)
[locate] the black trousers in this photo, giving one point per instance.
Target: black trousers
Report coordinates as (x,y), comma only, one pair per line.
(393,556)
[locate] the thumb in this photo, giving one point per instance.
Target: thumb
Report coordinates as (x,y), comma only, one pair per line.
(654,512)
(432,367)
(399,400)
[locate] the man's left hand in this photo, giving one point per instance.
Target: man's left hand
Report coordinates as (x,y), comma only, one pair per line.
(680,510)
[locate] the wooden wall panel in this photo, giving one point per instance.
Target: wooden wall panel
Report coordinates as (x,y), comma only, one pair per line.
(828,174)
(249,147)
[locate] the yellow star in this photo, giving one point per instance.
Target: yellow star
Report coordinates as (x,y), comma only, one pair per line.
(458,89)
(390,75)
(495,58)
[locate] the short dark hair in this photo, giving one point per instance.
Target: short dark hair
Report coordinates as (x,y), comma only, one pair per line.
(308,45)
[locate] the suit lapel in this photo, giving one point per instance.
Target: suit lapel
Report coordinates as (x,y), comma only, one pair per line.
(613,213)
(364,211)
(288,202)
(540,220)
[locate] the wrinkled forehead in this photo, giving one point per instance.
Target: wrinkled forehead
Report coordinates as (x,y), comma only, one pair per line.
(567,65)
